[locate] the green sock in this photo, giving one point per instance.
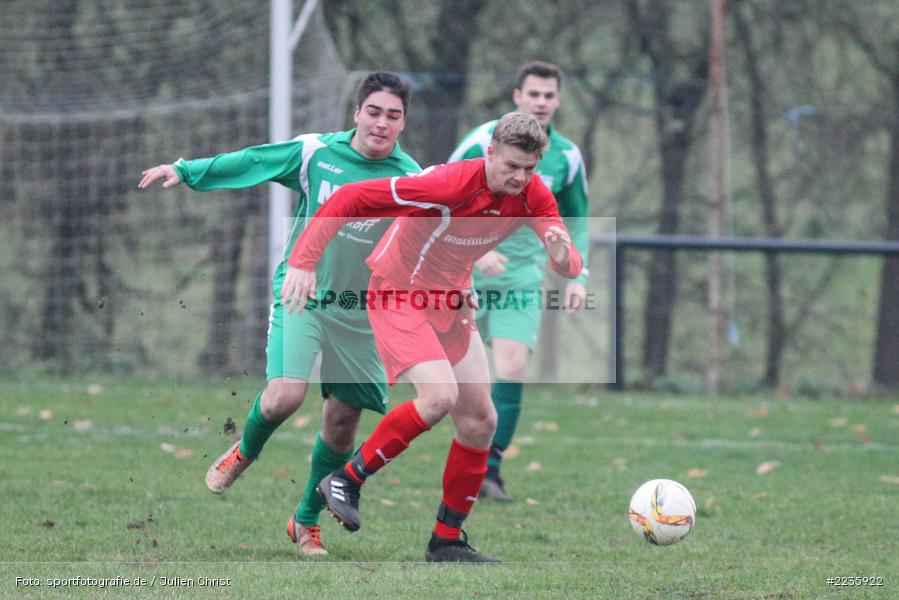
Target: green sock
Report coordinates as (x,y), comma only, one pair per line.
(324,460)
(507,400)
(257,431)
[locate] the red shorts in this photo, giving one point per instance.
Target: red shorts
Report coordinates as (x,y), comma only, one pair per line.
(406,335)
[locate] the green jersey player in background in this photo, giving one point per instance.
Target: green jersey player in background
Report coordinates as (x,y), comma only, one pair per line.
(518,264)
(353,378)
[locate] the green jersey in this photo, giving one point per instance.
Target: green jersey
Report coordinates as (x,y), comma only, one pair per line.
(562,170)
(315,165)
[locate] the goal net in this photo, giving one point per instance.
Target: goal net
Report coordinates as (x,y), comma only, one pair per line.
(95,275)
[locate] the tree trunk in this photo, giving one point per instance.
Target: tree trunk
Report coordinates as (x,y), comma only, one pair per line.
(61,276)
(676,102)
(886,353)
(549,335)
(445,98)
(227,246)
(662,276)
(257,303)
(777,331)
(719,167)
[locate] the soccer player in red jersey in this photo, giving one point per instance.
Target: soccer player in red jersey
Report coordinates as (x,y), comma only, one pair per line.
(422,319)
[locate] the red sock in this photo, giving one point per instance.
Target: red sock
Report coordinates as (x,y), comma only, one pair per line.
(392,435)
(462,479)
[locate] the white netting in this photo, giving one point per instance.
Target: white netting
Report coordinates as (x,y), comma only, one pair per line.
(94,273)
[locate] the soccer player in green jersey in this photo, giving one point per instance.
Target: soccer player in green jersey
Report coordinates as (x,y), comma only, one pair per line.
(516,267)
(353,377)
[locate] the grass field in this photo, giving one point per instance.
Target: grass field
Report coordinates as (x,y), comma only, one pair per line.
(105,478)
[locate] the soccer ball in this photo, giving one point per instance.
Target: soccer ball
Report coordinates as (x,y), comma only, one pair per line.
(662,512)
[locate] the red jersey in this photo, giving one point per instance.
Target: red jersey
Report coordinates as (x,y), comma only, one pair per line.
(448,220)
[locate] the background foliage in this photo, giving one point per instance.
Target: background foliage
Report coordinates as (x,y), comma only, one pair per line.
(94,93)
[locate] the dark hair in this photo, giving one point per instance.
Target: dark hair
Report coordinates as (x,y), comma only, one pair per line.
(539,68)
(382,81)
(522,131)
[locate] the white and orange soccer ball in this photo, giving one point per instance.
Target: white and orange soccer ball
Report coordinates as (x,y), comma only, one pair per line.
(662,512)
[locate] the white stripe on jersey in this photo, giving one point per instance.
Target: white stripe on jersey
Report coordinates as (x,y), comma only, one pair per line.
(311,143)
(479,137)
(575,166)
(389,241)
(444,224)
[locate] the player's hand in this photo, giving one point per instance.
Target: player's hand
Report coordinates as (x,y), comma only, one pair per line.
(298,286)
(166,172)
(575,296)
(470,297)
(558,245)
(491,264)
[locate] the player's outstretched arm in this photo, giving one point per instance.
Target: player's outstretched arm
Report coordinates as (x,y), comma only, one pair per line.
(297,287)
(558,245)
(165,172)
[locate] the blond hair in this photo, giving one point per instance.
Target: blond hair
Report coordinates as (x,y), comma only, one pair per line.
(522,131)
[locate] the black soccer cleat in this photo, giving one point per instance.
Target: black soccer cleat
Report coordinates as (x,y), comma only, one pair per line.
(444,550)
(492,487)
(342,497)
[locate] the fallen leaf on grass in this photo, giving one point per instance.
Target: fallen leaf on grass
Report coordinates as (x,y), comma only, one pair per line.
(532,502)
(280,473)
(550,426)
(414,504)
(45,415)
(697,473)
(244,546)
(83,424)
(889,479)
(393,481)
(95,389)
(23,410)
(759,495)
(761,411)
(841,422)
(755,432)
(896,409)
(301,422)
(534,466)
(525,440)
(766,467)
(708,504)
(859,388)
(166,447)
(387,502)
(860,428)
(511,451)
(621,463)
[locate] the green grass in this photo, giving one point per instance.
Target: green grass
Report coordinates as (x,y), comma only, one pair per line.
(120,505)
